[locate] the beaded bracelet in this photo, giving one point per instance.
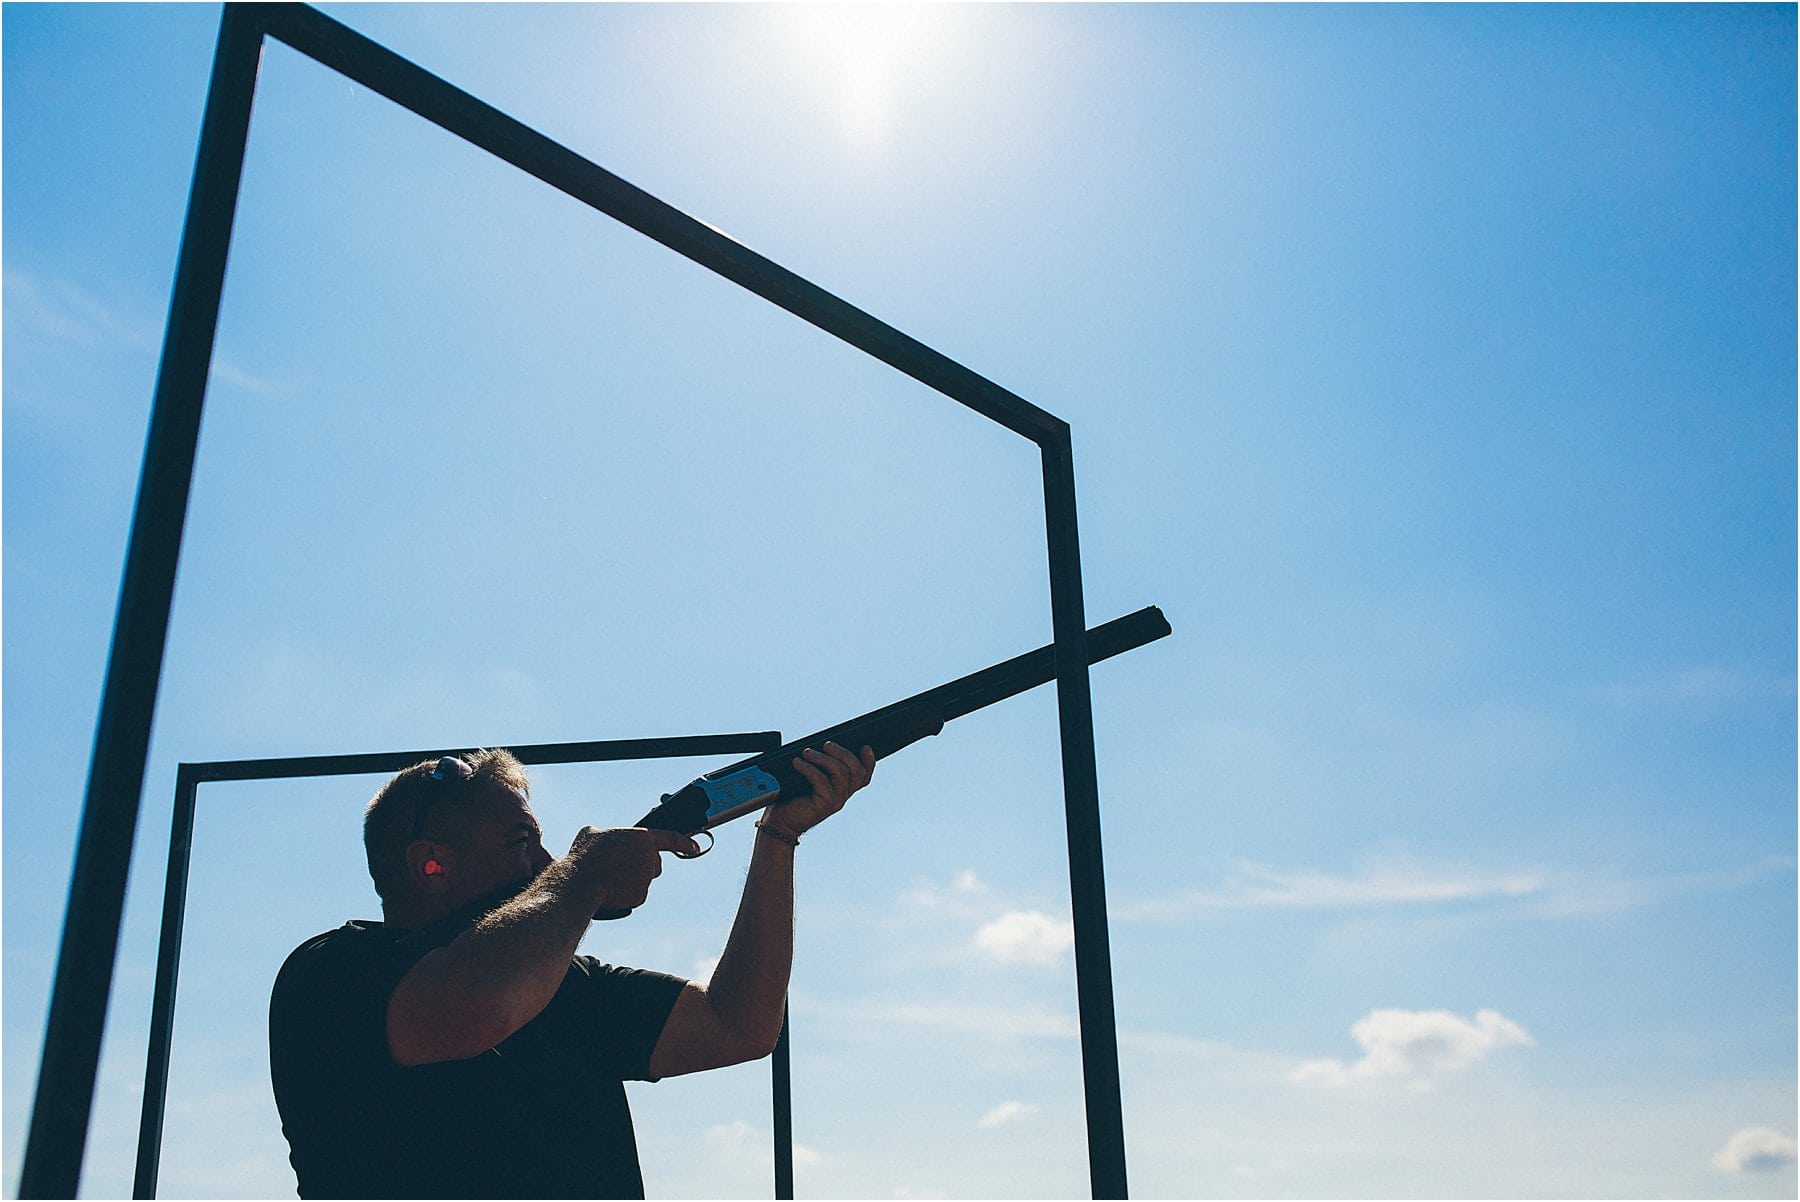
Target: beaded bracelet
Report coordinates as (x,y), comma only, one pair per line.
(774,832)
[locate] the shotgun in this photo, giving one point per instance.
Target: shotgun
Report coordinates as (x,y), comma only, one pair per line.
(735,790)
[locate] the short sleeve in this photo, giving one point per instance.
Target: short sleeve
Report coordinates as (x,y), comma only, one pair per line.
(333,992)
(615,1015)
(328,1053)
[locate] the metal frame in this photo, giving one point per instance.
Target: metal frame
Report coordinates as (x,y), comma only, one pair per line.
(955,699)
(83,982)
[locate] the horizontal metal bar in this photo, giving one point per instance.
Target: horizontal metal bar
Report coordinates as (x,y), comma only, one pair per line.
(405,83)
(528,753)
(962,696)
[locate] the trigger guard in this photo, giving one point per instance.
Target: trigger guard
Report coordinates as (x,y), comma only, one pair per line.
(695,855)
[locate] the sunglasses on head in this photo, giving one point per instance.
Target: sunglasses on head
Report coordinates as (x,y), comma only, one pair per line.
(450,768)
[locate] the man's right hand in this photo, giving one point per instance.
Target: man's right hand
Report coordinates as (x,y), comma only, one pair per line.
(621,862)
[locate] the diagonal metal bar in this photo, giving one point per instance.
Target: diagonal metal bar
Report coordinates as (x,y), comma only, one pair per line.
(90,943)
(379,69)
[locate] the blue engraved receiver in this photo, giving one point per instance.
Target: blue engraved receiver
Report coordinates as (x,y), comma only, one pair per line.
(736,789)
(729,792)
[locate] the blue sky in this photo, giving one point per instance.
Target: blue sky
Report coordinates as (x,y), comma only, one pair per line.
(1433,368)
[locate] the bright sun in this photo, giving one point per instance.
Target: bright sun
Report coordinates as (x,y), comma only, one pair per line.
(865,55)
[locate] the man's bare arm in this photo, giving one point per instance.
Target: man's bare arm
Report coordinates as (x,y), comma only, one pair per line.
(737,1015)
(469,995)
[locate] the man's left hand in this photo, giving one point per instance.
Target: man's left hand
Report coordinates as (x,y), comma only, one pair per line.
(834,774)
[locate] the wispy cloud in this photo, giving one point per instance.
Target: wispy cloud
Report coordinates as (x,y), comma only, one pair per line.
(1254,886)
(1415,1045)
(225,372)
(1702,684)
(1006,1112)
(1754,1150)
(929,895)
(47,312)
(744,1144)
(988,1022)
(1602,893)
(1533,893)
(46,309)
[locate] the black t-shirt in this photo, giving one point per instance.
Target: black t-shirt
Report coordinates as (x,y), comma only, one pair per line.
(542,1115)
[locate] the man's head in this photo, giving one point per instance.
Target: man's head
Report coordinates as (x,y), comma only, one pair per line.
(447,832)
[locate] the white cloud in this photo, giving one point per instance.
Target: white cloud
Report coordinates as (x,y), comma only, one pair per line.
(1006,1112)
(1754,1150)
(1026,937)
(1415,1045)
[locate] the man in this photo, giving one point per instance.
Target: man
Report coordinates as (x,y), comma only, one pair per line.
(461,1047)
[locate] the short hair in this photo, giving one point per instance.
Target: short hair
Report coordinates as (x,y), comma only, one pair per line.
(393,814)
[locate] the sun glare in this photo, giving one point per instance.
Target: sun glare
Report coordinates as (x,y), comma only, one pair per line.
(865,56)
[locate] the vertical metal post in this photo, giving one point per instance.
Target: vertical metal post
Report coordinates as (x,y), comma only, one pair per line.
(65,1088)
(168,964)
(782,1086)
(1081,798)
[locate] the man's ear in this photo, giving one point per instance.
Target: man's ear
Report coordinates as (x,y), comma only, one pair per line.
(428,864)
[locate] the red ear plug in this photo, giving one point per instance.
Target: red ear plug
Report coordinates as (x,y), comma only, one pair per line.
(433,868)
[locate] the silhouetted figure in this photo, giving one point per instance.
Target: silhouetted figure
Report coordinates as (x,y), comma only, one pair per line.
(460,1048)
